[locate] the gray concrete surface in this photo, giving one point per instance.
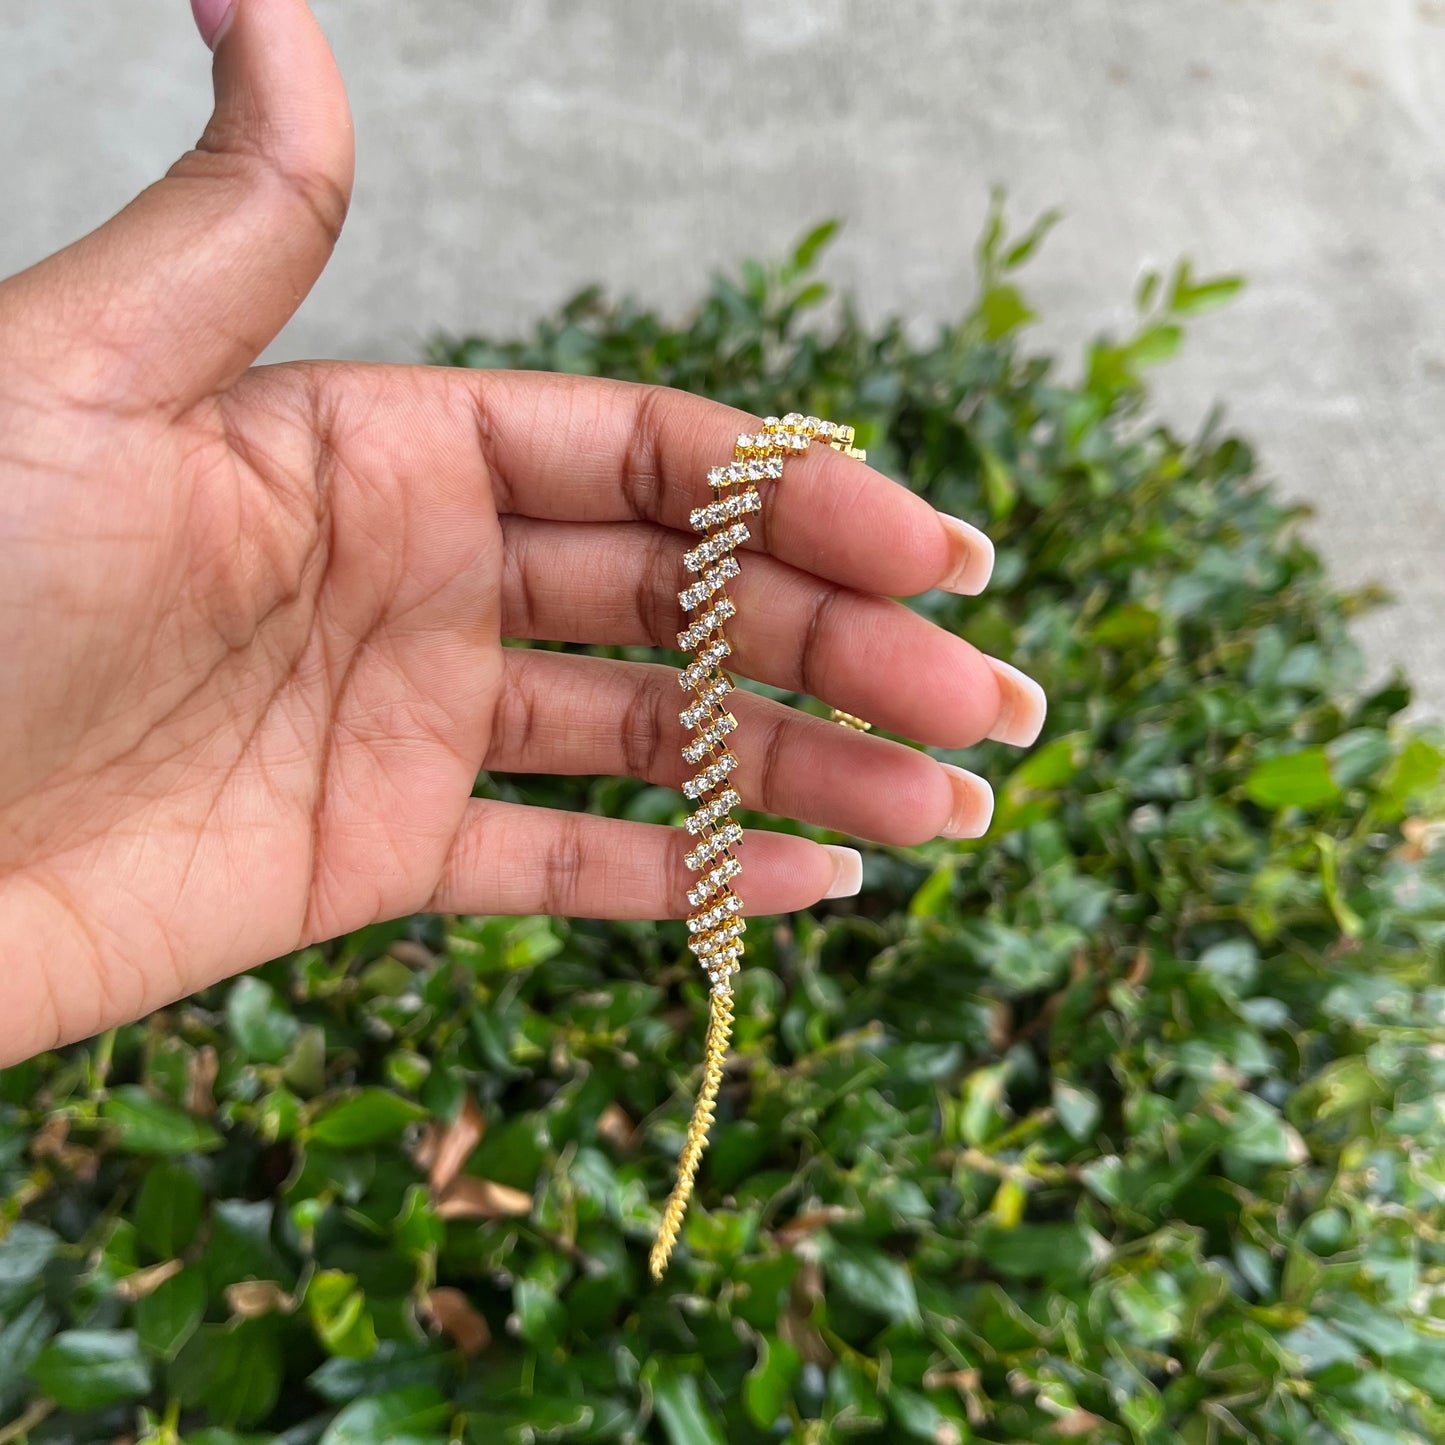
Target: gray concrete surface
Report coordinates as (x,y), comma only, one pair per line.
(512,152)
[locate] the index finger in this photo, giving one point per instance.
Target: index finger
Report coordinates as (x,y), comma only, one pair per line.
(573,448)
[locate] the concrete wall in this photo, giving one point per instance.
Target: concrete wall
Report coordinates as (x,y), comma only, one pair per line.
(509,153)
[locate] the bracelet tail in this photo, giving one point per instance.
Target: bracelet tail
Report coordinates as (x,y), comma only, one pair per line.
(719,1031)
(715,925)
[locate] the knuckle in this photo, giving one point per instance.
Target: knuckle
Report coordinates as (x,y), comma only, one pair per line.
(639,476)
(770,769)
(814,637)
(227,154)
(642,729)
(563,868)
(658,611)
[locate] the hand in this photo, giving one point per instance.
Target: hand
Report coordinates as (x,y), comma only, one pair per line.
(251,617)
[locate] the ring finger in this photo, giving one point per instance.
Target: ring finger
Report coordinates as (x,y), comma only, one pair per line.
(566,714)
(617,583)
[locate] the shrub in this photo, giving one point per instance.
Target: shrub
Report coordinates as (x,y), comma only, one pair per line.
(1120,1125)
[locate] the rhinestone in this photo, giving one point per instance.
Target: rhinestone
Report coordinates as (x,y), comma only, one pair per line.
(710,736)
(709,813)
(700,630)
(714,940)
(696,671)
(720,841)
(710,776)
(712,581)
(715,546)
(699,712)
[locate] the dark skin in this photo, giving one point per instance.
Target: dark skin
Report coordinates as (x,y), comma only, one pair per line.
(251,616)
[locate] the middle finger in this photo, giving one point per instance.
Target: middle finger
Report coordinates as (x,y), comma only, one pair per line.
(617,583)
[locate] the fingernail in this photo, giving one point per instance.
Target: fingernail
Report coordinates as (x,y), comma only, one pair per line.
(847,872)
(1024,705)
(971,563)
(972,804)
(212,16)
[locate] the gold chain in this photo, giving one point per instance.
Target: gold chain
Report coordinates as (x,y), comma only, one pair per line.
(715,924)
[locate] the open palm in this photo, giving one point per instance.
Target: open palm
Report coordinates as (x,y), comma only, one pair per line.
(251,618)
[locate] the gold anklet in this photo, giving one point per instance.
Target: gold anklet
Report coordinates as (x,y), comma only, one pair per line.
(716,924)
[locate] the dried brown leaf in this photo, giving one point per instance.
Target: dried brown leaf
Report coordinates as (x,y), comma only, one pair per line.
(201,1074)
(414,955)
(147,1281)
(471,1198)
(250,1298)
(802,1225)
(48,1141)
(456,1317)
(455,1144)
(1076,1422)
(428,1144)
(616,1128)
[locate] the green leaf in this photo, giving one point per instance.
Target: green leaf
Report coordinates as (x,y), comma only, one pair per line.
(812,245)
(1002,310)
(240,1245)
(1151,1304)
(167,1317)
(338,1314)
(853,1399)
(1077,1108)
(873,1280)
(1419,766)
(1423,1367)
(1052,765)
(1156,344)
(168,1210)
(372,1116)
(932,896)
(1356,757)
(1188,297)
(233,1371)
(1006,1209)
(89,1369)
(1127,625)
(24,1251)
(991,236)
(1258,1135)
(541,1318)
(410,1412)
(984,1109)
(22,1337)
(677,1402)
(769,1385)
(998,486)
(1024,248)
(808,297)
(1299,779)
(1233,963)
(1350,922)
(1318,1346)
(144,1124)
(918,1417)
(258,1022)
(394,1365)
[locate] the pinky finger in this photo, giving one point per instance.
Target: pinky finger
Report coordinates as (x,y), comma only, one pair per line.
(508,858)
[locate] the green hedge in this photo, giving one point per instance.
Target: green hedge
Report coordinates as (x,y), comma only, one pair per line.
(1123,1124)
